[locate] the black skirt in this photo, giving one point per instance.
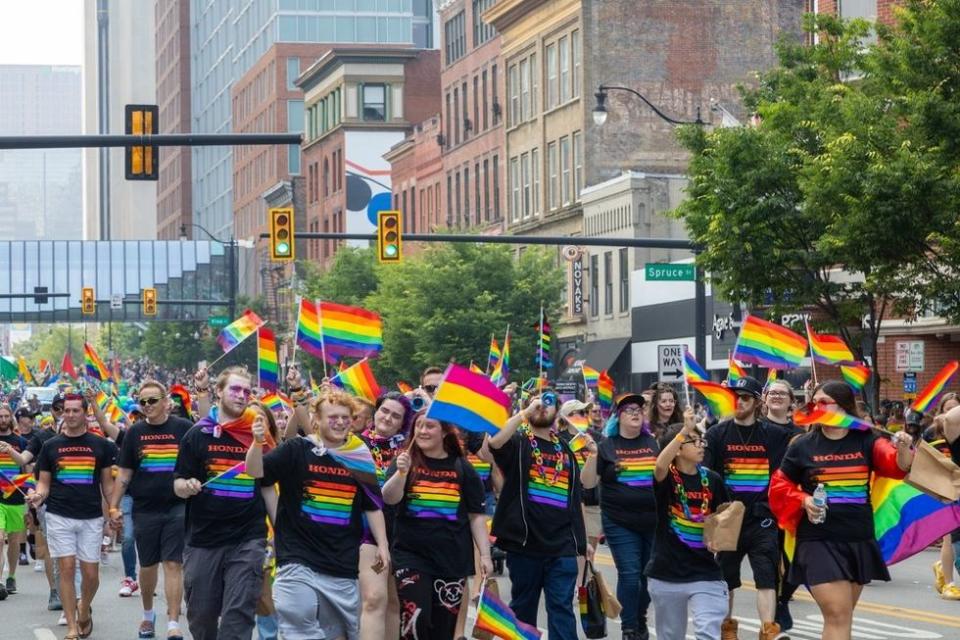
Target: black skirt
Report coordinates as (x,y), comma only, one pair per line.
(821,561)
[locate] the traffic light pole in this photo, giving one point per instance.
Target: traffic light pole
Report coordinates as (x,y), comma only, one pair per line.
(155,140)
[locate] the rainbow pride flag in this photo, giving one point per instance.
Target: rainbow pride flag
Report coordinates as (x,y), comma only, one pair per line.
(772,375)
(474,368)
(927,398)
(276,401)
(769,345)
(349,331)
(239,330)
(109,407)
(828,349)
(605,388)
(542,357)
(359,381)
(495,617)
(501,371)
(590,376)
(493,357)
(22,481)
(267,365)
(692,371)
(404,387)
(906,521)
(309,337)
(855,375)
(355,457)
(470,401)
(95,366)
(734,371)
(830,419)
(720,399)
(581,423)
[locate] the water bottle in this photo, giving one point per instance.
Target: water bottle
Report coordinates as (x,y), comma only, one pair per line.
(820,500)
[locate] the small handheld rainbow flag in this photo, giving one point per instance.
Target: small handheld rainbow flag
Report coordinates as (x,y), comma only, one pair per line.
(590,376)
(772,375)
(830,419)
(109,407)
(493,357)
(579,422)
(239,330)
(470,401)
(720,399)
(495,617)
(769,345)
(474,368)
(692,371)
(359,381)
(95,366)
(309,337)
(828,349)
(349,331)
(267,365)
(501,371)
(928,397)
(605,389)
(542,357)
(734,371)
(855,375)
(276,401)
(404,387)
(22,482)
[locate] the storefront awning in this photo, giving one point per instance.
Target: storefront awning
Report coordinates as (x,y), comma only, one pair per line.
(601,354)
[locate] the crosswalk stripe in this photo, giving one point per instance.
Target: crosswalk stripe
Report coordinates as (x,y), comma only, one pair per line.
(44,634)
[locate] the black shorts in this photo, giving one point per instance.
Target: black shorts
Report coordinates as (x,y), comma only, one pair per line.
(159,535)
(761,546)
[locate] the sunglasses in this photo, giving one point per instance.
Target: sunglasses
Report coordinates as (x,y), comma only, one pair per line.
(430,388)
(149,402)
(818,404)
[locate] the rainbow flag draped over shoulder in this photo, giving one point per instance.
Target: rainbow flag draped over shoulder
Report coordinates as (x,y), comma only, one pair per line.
(828,349)
(734,371)
(309,337)
(769,345)
(267,364)
(495,617)
(605,389)
(927,398)
(94,365)
(501,371)
(906,521)
(721,401)
(493,357)
(349,331)
(692,370)
(239,330)
(469,400)
(359,381)
(355,457)
(855,375)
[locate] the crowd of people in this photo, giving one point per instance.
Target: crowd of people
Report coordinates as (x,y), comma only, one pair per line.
(258,519)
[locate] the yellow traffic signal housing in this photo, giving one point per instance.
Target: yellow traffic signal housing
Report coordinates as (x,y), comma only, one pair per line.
(88,301)
(141,162)
(281,235)
(389,241)
(150,302)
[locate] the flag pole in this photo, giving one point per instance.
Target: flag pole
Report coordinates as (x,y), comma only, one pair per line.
(219,358)
(686,385)
(323,348)
(224,472)
(540,347)
(296,332)
(488,354)
(813,359)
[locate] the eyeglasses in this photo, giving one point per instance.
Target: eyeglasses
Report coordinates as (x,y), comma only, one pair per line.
(149,402)
(332,420)
(745,396)
(430,388)
(821,403)
(237,390)
(697,442)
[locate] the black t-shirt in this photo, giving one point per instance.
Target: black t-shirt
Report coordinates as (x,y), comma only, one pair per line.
(319,515)
(36,440)
(151,451)
(10,468)
(229,509)
(75,465)
(550,514)
(432,529)
(679,552)
(625,467)
(471,443)
(843,466)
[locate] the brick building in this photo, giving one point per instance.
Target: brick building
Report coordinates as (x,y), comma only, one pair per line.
(873,10)
(416,171)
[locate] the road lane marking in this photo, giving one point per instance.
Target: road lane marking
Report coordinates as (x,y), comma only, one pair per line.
(44,634)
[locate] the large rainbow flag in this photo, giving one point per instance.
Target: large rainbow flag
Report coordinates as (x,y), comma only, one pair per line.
(692,371)
(349,331)
(359,381)
(494,616)
(239,330)
(95,366)
(309,337)
(267,365)
(721,401)
(828,349)
(769,345)
(927,398)
(470,401)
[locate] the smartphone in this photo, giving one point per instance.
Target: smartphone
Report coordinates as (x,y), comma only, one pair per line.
(202,364)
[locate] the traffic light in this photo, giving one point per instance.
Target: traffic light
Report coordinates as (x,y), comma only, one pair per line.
(281,235)
(141,163)
(88,301)
(389,243)
(150,302)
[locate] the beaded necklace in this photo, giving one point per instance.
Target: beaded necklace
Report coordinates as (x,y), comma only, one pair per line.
(538,455)
(373,443)
(682,493)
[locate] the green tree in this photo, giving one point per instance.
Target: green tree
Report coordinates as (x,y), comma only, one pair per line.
(50,343)
(351,278)
(829,201)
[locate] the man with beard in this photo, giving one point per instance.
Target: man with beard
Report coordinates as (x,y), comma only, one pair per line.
(75,476)
(745,452)
(225,516)
(147,458)
(539,521)
(12,508)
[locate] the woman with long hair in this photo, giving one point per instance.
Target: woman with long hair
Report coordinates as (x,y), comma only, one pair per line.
(836,550)
(386,437)
(439,518)
(944,567)
(664,409)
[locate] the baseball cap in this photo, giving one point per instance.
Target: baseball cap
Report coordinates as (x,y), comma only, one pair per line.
(748,385)
(629,397)
(572,406)
(25,412)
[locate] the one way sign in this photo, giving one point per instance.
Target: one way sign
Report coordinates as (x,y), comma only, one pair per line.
(670,362)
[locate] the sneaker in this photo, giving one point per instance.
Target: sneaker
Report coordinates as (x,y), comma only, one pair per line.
(128,586)
(11,585)
(146,629)
(54,603)
(23,560)
(783,617)
(62,622)
(3,593)
(38,567)
(939,580)
(950,592)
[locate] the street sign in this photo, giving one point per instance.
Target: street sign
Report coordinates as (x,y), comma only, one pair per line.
(218,322)
(909,355)
(116,302)
(909,385)
(670,362)
(665,271)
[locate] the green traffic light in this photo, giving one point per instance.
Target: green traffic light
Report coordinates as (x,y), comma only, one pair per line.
(283,248)
(390,250)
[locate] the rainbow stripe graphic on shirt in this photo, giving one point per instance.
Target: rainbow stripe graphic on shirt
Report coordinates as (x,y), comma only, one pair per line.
(845,485)
(635,470)
(747,475)
(328,502)
(433,499)
(689,530)
(158,458)
(482,468)
(76,469)
(8,467)
(234,483)
(551,489)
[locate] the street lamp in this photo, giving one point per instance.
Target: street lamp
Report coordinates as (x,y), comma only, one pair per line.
(231,261)
(600,110)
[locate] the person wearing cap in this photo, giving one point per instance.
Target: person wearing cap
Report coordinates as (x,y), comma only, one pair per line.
(12,507)
(746,452)
(26,420)
(623,467)
(539,520)
(574,419)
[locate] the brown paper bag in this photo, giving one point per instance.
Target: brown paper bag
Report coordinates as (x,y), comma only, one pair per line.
(935,474)
(611,606)
(481,634)
(721,531)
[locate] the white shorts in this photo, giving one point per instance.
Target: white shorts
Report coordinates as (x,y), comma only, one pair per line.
(72,537)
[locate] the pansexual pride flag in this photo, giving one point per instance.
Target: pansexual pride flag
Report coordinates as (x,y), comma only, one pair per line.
(830,419)
(829,349)
(692,370)
(769,345)
(497,618)
(734,371)
(349,331)
(721,401)
(359,381)
(927,398)
(267,365)
(470,401)
(433,499)
(239,330)
(855,375)
(95,366)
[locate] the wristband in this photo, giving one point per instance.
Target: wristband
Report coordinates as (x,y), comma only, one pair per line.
(114,510)
(678,438)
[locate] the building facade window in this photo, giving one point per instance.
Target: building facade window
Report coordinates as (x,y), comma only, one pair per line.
(575,47)
(577,164)
(563,50)
(449,220)
(455,40)
(456,116)
(515,189)
(476,103)
(553,176)
(496,187)
(565,170)
(482,32)
(486,189)
(624,280)
(608,282)
(513,95)
(293,72)
(535,170)
(483,94)
(456,199)
(525,182)
(496,100)
(553,83)
(524,68)
(476,190)
(594,286)
(374,102)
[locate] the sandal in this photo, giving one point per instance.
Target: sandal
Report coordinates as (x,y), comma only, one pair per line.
(71,636)
(86,626)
